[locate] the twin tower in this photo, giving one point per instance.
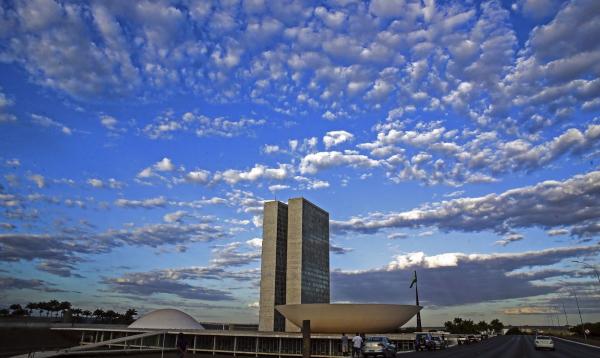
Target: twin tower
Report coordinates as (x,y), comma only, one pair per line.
(294,261)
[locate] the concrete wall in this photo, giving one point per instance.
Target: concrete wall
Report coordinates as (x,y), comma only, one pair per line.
(273,266)
(307,255)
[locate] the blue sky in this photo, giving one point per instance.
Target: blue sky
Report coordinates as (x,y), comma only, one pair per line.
(138,141)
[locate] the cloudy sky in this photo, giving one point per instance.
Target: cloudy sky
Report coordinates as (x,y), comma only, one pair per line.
(138,141)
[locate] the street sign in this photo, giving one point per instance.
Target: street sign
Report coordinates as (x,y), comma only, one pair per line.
(587,331)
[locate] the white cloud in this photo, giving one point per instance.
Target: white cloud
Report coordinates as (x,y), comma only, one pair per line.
(173,217)
(315,162)
(397,235)
(146,203)
(509,239)
(198,176)
(48,122)
(145,173)
(278,187)
(255,243)
(96,183)
(108,122)
(38,179)
(548,204)
(164,165)
(334,138)
(270,149)
(6,102)
(259,171)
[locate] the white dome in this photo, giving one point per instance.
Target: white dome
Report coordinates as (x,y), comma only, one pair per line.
(167,318)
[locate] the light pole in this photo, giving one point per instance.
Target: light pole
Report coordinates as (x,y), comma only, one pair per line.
(580,318)
(590,266)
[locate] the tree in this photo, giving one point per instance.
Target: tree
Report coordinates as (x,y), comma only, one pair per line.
(86,313)
(54,306)
(31,306)
(482,326)
(459,325)
(496,325)
(63,306)
(99,314)
(4,312)
(130,314)
(44,306)
(17,310)
(111,315)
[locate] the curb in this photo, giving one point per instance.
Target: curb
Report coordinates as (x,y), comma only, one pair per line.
(582,344)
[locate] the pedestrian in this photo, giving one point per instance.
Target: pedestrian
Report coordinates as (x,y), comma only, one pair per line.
(182,344)
(344,344)
(356,345)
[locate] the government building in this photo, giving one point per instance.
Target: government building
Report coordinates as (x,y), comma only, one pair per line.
(295,260)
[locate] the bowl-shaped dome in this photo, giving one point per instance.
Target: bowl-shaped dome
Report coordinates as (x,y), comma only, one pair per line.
(166,319)
(349,318)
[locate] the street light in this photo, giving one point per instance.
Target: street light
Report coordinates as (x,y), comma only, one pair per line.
(590,266)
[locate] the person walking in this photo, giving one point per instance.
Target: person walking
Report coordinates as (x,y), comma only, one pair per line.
(182,344)
(344,345)
(356,346)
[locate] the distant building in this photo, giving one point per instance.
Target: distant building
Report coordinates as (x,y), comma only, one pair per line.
(295,260)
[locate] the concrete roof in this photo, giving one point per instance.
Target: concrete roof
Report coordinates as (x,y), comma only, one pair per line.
(166,319)
(349,318)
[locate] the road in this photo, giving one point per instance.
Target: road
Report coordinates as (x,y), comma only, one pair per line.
(509,347)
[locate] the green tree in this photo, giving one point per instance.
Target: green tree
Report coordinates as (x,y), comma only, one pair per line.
(496,325)
(54,306)
(482,326)
(130,314)
(31,306)
(63,306)
(99,314)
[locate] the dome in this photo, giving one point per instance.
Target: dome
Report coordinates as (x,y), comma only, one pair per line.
(340,318)
(166,319)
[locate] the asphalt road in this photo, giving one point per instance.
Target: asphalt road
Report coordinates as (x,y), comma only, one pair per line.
(509,347)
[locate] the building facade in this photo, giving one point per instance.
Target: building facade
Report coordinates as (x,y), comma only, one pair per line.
(273,266)
(295,260)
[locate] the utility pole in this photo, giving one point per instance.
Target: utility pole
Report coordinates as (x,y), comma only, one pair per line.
(580,319)
(565,311)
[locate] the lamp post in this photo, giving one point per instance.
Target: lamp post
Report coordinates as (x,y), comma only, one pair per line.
(590,266)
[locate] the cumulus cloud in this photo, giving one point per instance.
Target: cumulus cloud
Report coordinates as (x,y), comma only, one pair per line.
(334,138)
(61,253)
(96,183)
(151,283)
(6,102)
(166,125)
(198,176)
(12,283)
(230,255)
(259,171)
(175,216)
(38,179)
(315,162)
(164,165)
(549,204)
(482,277)
(509,239)
(145,203)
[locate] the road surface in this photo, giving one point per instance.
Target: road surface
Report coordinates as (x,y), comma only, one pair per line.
(509,347)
